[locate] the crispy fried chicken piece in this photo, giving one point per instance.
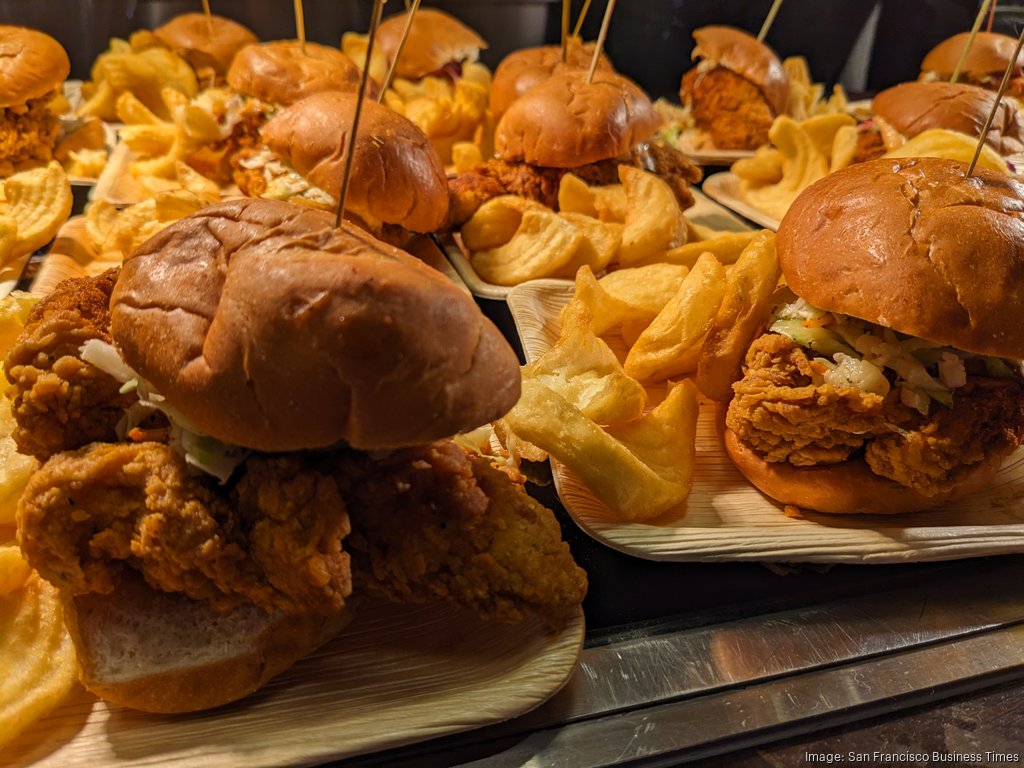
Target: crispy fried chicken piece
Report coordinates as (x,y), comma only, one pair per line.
(59,401)
(987,417)
(273,539)
(870,144)
(434,522)
(730,108)
(784,416)
(780,412)
(28,134)
(496,177)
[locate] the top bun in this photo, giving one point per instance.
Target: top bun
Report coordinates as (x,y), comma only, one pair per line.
(912,108)
(521,70)
(281,72)
(914,245)
(32,65)
(205,41)
(566,122)
(267,327)
(436,39)
(990,53)
(397,175)
(745,55)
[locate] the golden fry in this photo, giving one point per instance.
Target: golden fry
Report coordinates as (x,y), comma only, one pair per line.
(802,165)
(602,310)
(749,287)
(938,142)
(649,288)
(598,248)
(659,352)
(726,248)
(496,221)
(654,222)
(40,201)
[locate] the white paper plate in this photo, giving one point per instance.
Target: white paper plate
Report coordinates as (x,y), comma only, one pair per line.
(397,675)
(725,518)
(697,147)
(704,212)
(725,188)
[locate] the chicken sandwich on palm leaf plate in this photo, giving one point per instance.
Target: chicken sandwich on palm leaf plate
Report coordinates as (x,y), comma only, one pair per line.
(246,434)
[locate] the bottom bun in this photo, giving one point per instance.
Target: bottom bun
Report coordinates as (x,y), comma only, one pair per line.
(160,652)
(847,488)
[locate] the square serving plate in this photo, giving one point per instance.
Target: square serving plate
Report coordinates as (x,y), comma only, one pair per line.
(727,519)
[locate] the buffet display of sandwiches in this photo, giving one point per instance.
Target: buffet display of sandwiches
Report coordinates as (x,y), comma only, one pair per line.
(252,449)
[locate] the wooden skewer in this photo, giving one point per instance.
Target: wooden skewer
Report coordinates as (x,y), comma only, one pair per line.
(995,103)
(300,25)
(970,41)
(579,22)
(605,23)
(565,30)
(209,17)
(411,14)
(350,148)
(991,16)
(206,8)
(769,20)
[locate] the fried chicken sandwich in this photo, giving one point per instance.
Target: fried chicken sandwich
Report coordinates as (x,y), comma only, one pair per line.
(568,125)
(890,382)
(736,90)
(33,67)
(985,64)
(397,185)
(438,44)
(207,43)
(247,431)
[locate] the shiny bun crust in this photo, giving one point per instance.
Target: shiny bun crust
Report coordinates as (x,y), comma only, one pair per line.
(205,41)
(436,39)
(268,328)
(912,108)
(989,54)
(280,73)
(915,245)
(397,175)
(566,122)
(521,70)
(745,55)
(32,65)
(847,488)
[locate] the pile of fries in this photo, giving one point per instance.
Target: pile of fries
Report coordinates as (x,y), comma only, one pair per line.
(511,239)
(629,339)
(802,152)
(36,653)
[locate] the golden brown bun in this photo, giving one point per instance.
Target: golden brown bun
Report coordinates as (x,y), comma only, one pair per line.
(989,54)
(159,652)
(32,64)
(745,55)
(397,175)
(280,73)
(912,108)
(566,122)
(436,39)
(205,41)
(914,245)
(268,328)
(847,488)
(521,70)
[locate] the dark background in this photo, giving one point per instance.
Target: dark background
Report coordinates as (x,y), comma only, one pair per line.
(650,40)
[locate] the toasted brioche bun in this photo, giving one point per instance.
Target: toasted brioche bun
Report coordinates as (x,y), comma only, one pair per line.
(912,108)
(990,53)
(281,73)
(521,70)
(745,55)
(847,488)
(32,65)
(229,308)
(205,41)
(160,652)
(397,175)
(566,122)
(436,39)
(951,246)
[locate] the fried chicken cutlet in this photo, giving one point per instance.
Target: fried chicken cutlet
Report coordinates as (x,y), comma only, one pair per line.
(61,402)
(729,107)
(783,411)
